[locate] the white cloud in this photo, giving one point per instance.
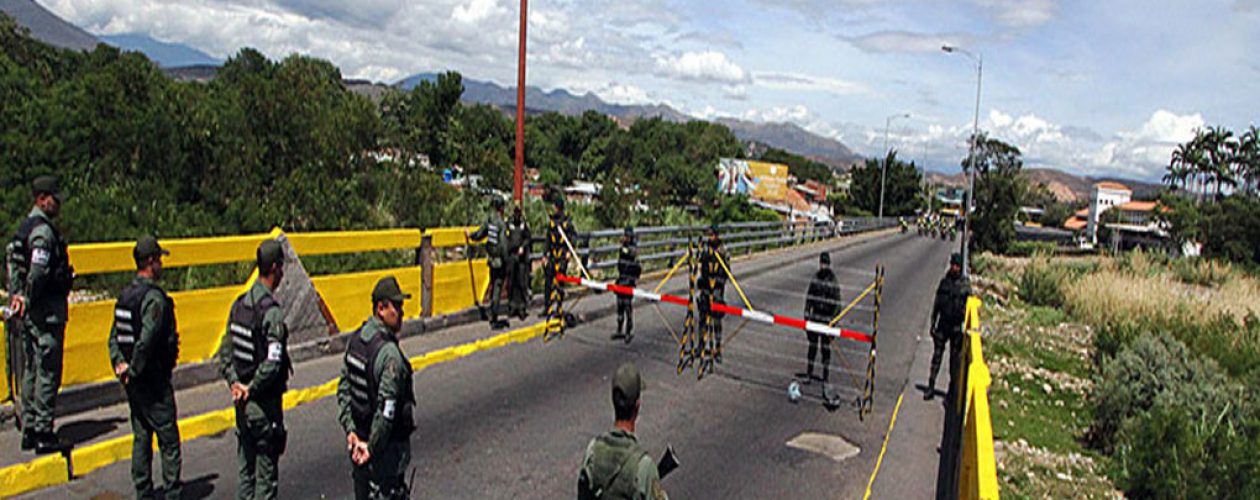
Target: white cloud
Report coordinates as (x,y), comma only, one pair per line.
(623,94)
(1020,13)
(907,41)
(476,11)
(806,83)
(704,66)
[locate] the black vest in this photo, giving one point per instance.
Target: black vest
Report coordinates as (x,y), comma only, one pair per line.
(249,340)
(364,386)
(62,278)
(628,268)
(128,321)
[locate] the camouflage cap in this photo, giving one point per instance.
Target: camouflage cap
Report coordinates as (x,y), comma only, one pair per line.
(626,385)
(387,289)
(146,247)
(825,258)
(48,184)
(955,259)
(269,253)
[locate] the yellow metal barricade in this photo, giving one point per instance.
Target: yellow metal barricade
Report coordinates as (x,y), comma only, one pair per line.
(978,471)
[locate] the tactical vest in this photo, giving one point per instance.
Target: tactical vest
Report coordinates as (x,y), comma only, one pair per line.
(712,276)
(494,242)
(249,339)
(621,482)
(62,278)
(365,385)
(128,322)
(628,268)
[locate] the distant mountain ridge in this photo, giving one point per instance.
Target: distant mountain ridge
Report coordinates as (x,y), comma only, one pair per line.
(1067,188)
(787,136)
(48,27)
(166,55)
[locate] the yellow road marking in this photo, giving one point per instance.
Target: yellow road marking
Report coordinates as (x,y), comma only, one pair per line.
(891,422)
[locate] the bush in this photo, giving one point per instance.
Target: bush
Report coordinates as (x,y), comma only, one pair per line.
(1042,283)
(1154,366)
(1030,248)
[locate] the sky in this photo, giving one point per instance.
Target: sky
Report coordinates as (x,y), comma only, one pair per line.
(1099,88)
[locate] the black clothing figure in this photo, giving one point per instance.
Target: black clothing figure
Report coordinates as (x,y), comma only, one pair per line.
(822,303)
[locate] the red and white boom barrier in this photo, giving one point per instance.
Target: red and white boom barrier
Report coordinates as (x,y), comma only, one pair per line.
(758,316)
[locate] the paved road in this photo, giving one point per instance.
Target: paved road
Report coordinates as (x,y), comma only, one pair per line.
(513,423)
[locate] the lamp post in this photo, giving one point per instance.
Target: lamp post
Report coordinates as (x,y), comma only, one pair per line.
(971,152)
(883,172)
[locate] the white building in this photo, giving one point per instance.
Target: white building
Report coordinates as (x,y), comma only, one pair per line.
(1106,196)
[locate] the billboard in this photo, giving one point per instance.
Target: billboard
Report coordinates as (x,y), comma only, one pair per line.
(755,179)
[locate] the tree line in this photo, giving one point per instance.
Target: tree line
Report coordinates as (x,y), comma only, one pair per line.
(1213,181)
(285,143)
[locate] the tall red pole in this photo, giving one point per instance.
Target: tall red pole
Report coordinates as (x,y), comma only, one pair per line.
(519,185)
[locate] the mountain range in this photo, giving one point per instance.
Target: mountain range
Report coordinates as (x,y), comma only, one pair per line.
(1067,188)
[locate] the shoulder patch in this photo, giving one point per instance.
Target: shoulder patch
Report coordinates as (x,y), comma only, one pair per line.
(40,256)
(275,351)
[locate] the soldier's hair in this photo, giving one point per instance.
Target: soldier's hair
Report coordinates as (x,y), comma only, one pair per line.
(623,407)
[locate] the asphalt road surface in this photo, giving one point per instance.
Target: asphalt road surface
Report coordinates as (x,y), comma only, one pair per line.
(514,422)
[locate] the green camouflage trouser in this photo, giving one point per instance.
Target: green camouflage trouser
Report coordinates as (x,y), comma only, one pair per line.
(382,478)
(153,412)
(41,373)
(260,442)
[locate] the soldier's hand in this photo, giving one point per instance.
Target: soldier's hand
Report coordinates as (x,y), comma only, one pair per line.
(352,441)
(361,455)
(120,371)
(17,304)
(240,393)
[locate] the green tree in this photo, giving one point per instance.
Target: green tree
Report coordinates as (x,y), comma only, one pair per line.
(999,188)
(901,186)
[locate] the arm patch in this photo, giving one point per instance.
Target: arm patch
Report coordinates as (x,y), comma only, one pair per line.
(40,257)
(274,351)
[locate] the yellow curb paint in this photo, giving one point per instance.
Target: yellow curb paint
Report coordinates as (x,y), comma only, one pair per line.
(51,470)
(39,473)
(891,422)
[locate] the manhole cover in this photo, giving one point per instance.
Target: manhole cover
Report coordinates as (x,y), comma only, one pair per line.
(827,445)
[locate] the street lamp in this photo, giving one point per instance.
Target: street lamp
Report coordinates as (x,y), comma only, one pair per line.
(971,152)
(884,171)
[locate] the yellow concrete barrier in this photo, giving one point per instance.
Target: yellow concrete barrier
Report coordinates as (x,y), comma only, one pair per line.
(348,296)
(201,314)
(978,467)
(39,473)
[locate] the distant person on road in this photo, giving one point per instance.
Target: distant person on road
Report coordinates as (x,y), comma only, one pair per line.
(615,467)
(948,312)
(143,349)
(375,399)
(712,286)
(628,271)
(520,269)
(493,230)
(40,279)
(822,303)
(253,359)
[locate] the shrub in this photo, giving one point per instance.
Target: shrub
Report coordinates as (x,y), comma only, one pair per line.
(1153,367)
(1042,283)
(1030,248)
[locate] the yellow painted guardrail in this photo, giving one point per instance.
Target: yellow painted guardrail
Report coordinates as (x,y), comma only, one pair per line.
(978,470)
(201,314)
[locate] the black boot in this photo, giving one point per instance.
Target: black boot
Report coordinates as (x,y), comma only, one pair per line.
(47,442)
(931,390)
(28,440)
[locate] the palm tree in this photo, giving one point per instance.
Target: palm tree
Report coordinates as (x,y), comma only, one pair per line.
(1178,168)
(1196,162)
(1220,148)
(1249,159)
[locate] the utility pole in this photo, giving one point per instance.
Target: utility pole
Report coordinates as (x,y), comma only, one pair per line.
(518,185)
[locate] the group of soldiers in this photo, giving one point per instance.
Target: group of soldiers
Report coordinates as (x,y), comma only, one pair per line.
(374,395)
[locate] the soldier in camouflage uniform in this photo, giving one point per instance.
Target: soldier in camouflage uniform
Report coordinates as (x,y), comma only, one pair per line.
(40,279)
(948,313)
(376,400)
(615,467)
(143,349)
(494,231)
(254,360)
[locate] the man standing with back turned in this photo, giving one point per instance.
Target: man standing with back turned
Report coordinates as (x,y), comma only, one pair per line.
(254,360)
(948,312)
(143,348)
